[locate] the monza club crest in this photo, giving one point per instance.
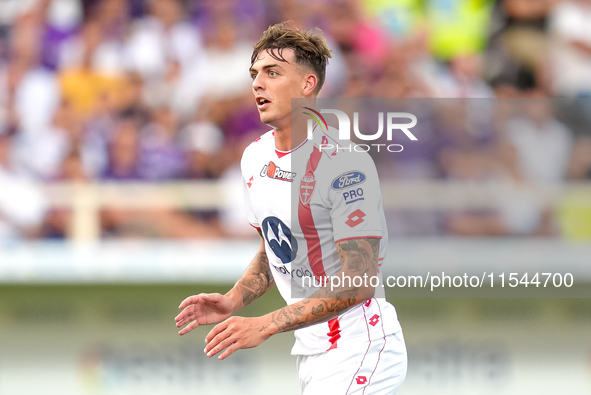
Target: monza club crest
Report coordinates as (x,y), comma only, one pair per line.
(307,188)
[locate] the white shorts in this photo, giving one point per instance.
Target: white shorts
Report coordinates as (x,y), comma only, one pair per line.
(377,367)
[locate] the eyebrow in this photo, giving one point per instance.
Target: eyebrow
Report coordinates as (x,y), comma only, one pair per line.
(269,66)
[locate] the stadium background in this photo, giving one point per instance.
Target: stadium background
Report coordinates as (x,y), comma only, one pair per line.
(121,124)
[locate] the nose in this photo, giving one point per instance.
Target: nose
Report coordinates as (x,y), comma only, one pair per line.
(257,82)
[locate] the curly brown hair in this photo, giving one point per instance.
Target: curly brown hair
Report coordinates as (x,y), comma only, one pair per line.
(309,47)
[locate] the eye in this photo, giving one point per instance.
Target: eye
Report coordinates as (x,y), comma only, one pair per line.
(253,75)
(273,73)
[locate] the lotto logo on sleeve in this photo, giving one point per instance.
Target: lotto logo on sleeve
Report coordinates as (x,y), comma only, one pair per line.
(355,218)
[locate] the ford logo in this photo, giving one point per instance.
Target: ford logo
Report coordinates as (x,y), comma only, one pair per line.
(347,180)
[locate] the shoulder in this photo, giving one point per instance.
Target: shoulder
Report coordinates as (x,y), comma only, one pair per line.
(343,164)
(342,155)
(258,147)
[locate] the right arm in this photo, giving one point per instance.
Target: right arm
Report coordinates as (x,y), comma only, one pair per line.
(205,309)
(255,282)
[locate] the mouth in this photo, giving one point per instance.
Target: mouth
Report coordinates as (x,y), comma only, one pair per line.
(262,103)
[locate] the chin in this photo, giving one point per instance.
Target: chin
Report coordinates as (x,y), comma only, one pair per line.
(266,119)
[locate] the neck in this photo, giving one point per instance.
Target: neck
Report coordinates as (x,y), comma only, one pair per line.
(288,138)
(283,139)
(295,132)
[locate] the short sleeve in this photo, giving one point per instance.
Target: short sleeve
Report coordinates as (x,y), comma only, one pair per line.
(356,200)
(248,207)
(247,200)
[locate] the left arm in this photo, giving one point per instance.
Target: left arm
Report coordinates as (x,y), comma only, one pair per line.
(359,258)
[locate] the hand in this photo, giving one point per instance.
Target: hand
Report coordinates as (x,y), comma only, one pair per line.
(203,309)
(237,333)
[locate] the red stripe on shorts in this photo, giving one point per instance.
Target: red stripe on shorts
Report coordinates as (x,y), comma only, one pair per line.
(334,332)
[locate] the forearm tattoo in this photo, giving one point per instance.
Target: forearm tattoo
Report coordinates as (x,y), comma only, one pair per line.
(359,257)
(257,279)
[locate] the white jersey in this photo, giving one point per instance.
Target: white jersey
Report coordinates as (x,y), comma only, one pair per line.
(304,201)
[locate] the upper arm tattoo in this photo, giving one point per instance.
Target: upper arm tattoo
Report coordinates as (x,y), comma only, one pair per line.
(359,256)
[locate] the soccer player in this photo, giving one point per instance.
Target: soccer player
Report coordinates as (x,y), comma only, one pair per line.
(319,214)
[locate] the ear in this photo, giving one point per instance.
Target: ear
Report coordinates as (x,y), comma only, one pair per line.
(309,84)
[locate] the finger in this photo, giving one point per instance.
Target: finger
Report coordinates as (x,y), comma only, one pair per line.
(189,328)
(184,321)
(186,313)
(218,344)
(215,331)
(185,318)
(194,299)
(229,351)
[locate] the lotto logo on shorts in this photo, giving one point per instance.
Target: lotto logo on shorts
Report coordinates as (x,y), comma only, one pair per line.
(361,379)
(373,321)
(355,218)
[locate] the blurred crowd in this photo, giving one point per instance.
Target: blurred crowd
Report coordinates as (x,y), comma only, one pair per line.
(159,90)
